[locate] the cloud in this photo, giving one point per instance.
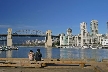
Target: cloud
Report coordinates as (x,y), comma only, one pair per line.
(4,26)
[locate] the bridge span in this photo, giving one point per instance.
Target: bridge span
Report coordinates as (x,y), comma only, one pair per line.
(26,35)
(8,37)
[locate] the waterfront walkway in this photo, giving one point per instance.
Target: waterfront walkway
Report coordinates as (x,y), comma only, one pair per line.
(58,65)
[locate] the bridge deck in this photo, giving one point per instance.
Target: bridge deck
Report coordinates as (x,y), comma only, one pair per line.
(31,35)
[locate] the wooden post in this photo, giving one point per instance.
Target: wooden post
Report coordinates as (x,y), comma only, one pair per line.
(82,65)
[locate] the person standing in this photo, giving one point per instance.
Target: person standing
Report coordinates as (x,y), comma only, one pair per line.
(31,55)
(38,55)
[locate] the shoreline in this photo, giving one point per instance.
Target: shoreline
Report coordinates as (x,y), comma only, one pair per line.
(35,46)
(30,46)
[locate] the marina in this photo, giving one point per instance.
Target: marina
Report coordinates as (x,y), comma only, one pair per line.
(5,48)
(83,47)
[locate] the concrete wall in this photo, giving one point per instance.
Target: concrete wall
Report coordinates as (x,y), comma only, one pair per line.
(48,42)
(9,37)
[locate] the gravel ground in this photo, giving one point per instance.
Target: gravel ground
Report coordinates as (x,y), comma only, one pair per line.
(46,70)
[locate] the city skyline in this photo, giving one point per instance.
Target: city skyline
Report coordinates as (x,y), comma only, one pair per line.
(51,14)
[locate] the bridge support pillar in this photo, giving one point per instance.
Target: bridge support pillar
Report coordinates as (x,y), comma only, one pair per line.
(9,37)
(48,39)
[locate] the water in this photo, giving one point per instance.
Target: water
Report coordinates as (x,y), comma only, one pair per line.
(20,40)
(55,53)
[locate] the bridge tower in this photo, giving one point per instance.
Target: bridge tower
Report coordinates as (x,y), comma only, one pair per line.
(48,39)
(9,37)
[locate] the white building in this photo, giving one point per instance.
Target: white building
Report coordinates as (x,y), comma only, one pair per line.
(28,42)
(77,40)
(84,33)
(70,37)
(70,41)
(63,40)
(84,38)
(94,31)
(99,38)
(94,27)
(105,42)
(69,32)
(67,40)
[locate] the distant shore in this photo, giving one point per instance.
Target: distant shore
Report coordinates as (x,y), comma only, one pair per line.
(30,46)
(35,46)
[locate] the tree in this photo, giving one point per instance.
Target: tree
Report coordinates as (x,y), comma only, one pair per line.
(56,43)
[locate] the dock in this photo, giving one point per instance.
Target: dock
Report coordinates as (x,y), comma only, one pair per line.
(55,63)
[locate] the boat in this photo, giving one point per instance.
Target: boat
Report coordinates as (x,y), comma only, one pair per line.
(4,48)
(99,47)
(67,47)
(0,46)
(12,47)
(93,47)
(64,46)
(85,47)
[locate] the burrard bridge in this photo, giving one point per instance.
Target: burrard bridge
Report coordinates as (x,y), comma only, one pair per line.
(26,33)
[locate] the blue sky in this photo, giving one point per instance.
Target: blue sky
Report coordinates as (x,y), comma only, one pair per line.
(56,15)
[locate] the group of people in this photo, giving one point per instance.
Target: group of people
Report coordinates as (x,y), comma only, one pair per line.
(35,56)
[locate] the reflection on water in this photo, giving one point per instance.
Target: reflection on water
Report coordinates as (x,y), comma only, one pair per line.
(58,53)
(65,53)
(82,54)
(49,53)
(0,52)
(9,54)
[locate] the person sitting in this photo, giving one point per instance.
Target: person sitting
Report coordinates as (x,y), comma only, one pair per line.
(38,55)
(31,55)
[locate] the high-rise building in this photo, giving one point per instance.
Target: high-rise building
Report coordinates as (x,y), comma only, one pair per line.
(94,27)
(69,31)
(94,31)
(63,40)
(83,29)
(70,37)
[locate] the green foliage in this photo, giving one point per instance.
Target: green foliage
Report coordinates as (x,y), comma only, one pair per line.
(56,43)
